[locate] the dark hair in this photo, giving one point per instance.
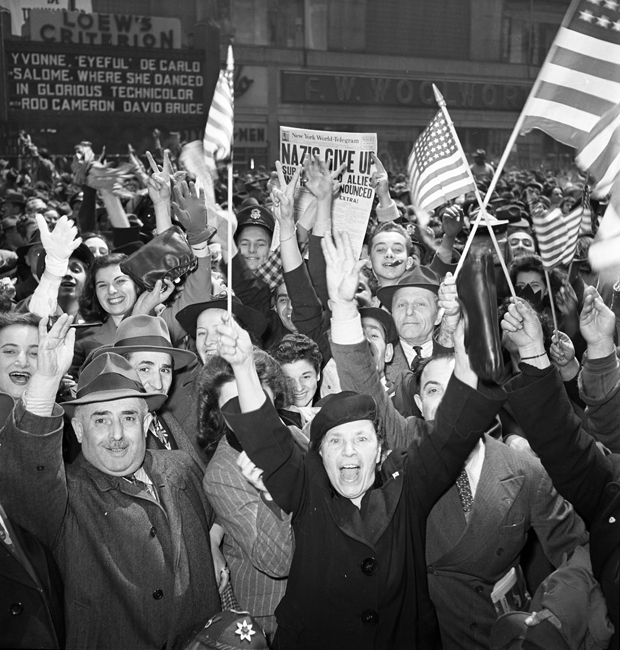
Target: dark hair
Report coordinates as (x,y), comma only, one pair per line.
(417,373)
(534,264)
(214,374)
(390,226)
(297,347)
(14,318)
(90,308)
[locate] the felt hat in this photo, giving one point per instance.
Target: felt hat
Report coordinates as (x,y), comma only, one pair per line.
(340,408)
(12,196)
(255,215)
(251,319)
(230,630)
(144,333)
(511,633)
(107,378)
(387,322)
(420,276)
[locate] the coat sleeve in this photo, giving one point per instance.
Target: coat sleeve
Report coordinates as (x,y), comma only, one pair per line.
(196,288)
(434,460)
(558,527)
(252,291)
(265,538)
(357,371)
(599,384)
(308,314)
(579,470)
(32,481)
(270,446)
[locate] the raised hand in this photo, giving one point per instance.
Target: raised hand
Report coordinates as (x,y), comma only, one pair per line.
(562,350)
(59,244)
(523,328)
(252,474)
(234,343)
(55,352)
(159,181)
(342,269)
(283,197)
(190,210)
(379,180)
(319,180)
(597,322)
(566,300)
(452,220)
(148,300)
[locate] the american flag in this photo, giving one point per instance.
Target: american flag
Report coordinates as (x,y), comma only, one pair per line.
(437,170)
(600,155)
(220,123)
(556,233)
(580,78)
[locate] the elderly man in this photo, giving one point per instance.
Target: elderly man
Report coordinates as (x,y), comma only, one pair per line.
(129,528)
(414,306)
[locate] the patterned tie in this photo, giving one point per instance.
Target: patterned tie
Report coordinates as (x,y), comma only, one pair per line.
(418,357)
(464,490)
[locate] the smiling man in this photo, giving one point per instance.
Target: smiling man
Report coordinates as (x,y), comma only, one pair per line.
(255,226)
(128,527)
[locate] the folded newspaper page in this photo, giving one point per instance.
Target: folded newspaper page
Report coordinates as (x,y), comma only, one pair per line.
(510,593)
(351,210)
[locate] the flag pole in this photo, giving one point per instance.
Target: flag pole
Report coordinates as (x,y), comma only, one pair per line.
(555,318)
(230,69)
(483,213)
(537,83)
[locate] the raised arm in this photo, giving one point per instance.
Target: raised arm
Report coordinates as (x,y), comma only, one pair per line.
(579,470)
(266,440)
(599,381)
(32,480)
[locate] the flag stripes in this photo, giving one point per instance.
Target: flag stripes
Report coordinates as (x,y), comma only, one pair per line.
(580,79)
(218,135)
(556,234)
(437,171)
(600,155)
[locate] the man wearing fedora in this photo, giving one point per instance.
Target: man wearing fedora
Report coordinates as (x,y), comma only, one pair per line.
(128,527)
(145,342)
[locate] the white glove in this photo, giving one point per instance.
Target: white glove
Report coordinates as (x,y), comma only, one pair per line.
(59,244)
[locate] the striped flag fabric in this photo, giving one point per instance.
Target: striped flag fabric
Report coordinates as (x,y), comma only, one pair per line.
(600,155)
(436,169)
(556,234)
(218,135)
(580,78)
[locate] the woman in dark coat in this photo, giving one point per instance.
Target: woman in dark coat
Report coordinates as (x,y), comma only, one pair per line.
(358,575)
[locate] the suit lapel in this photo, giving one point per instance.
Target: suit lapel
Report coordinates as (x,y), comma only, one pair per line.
(395,368)
(497,490)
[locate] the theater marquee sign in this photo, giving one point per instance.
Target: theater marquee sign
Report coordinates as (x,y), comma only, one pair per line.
(104,80)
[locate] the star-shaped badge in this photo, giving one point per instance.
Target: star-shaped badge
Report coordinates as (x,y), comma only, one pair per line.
(245,631)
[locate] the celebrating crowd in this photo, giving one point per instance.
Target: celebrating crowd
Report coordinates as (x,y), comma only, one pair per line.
(330,465)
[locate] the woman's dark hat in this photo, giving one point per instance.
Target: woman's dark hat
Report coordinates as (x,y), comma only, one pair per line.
(146,334)
(251,319)
(110,377)
(340,408)
(391,335)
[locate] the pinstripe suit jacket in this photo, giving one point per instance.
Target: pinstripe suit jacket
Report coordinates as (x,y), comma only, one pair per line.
(258,545)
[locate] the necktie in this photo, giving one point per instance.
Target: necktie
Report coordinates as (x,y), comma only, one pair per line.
(464,490)
(145,487)
(418,357)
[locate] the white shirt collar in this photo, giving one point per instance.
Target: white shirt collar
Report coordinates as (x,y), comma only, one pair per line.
(410,353)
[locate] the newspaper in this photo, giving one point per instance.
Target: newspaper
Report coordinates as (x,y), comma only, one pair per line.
(510,593)
(351,209)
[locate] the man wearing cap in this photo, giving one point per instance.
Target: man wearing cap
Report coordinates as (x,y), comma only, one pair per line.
(414,306)
(129,528)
